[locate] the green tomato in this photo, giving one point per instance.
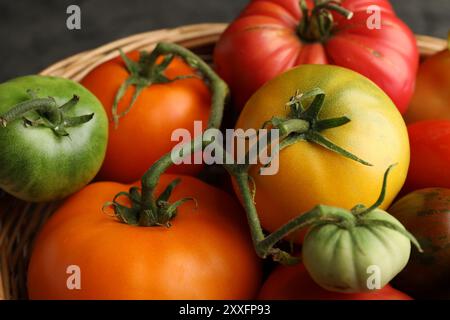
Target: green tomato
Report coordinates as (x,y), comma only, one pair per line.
(53,137)
(358,254)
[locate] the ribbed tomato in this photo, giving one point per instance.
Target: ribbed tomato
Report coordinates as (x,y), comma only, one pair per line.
(272,36)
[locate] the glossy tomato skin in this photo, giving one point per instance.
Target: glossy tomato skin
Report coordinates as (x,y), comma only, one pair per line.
(294,283)
(144,134)
(426,214)
(37,165)
(431,99)
(263,42)
(430,155)
(308,174)
(206,253)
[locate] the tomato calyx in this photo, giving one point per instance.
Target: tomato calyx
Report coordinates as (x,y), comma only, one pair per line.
(142,213)
(148,71)
(44,112)
(317,24)
(303,124)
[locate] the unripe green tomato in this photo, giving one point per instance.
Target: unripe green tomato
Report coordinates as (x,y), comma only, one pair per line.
(356,257)
(49,155)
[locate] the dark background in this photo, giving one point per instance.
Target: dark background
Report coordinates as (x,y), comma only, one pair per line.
(33,33)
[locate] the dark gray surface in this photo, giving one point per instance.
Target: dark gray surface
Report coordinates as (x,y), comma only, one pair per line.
(33,33)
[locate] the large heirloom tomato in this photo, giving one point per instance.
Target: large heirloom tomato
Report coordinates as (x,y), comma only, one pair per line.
(310,174)
(206,253)
(294,283)
(272,36)
(141,135)
(53,136)
(426,213)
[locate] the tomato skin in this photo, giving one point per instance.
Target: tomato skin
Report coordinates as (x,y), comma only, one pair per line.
(193,259)
(263,42)
(431,99)
(144,134)
(309,174)
(426,214)
(430,155)
(36,165)
(294,283)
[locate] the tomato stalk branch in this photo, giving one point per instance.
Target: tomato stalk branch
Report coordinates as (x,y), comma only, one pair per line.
(146,208)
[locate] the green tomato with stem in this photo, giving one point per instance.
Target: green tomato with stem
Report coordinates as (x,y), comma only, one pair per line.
(358,250)
(53,137)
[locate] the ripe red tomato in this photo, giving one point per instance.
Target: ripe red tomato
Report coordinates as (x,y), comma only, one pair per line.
(267,39)
(430,155)
(144,134)
(206,253)
(294,283)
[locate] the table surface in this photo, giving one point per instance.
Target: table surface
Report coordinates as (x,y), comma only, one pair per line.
(33,33)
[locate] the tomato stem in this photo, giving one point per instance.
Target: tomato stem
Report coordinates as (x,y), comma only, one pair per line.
(49,114)
(317,24)
(360,210)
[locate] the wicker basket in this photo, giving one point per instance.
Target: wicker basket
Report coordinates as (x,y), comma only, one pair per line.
(20,221)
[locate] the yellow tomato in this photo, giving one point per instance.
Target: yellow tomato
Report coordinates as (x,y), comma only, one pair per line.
(309,174)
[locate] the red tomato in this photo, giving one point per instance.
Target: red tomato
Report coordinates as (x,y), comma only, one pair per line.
(430,155)
(294,283)
(206,254)
(144,134)
(266,40)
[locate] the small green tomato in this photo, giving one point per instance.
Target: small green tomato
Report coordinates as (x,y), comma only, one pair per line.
(358,250)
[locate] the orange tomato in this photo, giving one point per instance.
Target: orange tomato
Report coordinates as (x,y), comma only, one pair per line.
(431,98)
(206,253)
(294,283)
(144,134)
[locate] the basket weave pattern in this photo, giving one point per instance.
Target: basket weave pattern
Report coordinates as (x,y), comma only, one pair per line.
(21,221)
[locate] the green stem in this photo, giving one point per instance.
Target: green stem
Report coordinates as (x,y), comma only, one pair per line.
(219,91)
(218,87)
(293,125)
(147,72)
(317,24)
(150,179)
(242,179)
(317,214)
(44,105)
